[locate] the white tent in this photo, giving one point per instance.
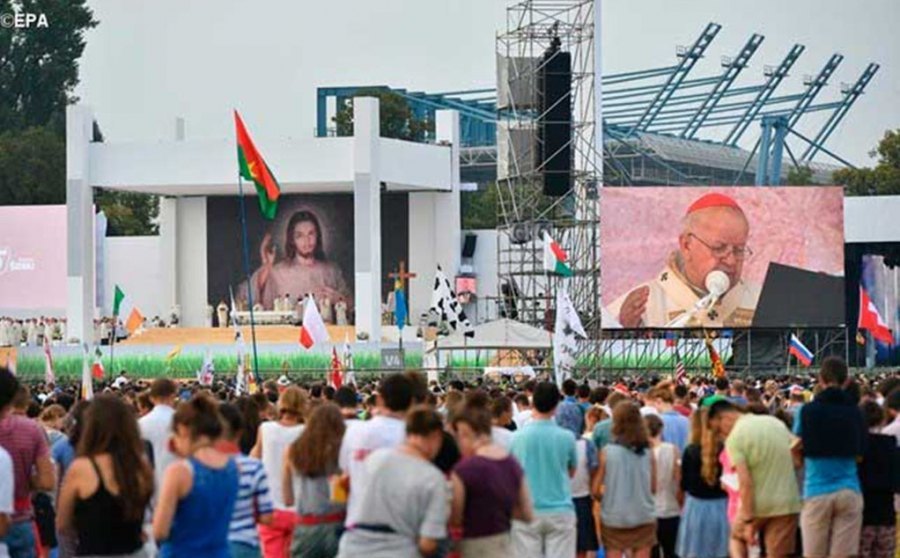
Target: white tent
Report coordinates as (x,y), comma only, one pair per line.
(499,334)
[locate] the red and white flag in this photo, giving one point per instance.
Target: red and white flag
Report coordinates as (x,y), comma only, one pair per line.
(870,319)
(97,369)
(680,372)
(337,371)
(49,376)
(313,330)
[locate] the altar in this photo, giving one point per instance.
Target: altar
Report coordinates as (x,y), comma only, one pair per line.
(193,178)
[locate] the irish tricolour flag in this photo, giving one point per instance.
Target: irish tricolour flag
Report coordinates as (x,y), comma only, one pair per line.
(123,309)
(555,258)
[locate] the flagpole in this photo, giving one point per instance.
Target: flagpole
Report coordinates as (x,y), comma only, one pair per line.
(112,346)
(249,278)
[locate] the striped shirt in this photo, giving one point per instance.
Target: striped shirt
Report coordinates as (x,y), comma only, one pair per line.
(253,500)
(26,443)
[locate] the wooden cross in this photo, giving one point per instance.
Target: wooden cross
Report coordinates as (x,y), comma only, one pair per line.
(402,275)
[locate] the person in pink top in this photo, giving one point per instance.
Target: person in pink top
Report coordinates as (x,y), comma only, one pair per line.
(729,483)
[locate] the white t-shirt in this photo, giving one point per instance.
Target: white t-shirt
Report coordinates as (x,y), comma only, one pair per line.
(156,428)
(6,492)
(378,433)
(501,436)
(523,418)
(580,483)
(407,494)
(275,440)
(353,429)
(666,496)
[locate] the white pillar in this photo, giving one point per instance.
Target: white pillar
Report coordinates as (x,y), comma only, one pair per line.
(191,256)
(447,225)
(367,217)
(168,243)
(422,255)
(168,253)
(435,236)
(79,225)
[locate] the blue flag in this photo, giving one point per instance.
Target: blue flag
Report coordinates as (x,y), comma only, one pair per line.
(400,310)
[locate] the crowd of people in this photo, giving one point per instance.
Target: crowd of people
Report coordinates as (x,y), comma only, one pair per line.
(648,467)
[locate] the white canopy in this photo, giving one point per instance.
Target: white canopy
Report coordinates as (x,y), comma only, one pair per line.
(499,334)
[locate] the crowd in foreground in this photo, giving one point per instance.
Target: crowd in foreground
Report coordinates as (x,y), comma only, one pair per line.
(400,468)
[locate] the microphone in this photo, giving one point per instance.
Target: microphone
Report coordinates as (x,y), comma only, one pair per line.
(717,283)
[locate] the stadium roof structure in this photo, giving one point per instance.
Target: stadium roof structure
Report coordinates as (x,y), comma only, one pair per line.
(665,126)
(653,159)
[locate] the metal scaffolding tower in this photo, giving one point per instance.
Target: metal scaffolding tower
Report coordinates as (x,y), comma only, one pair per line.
(527,292)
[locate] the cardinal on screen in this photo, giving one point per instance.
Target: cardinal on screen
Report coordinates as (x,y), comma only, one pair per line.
(713,238)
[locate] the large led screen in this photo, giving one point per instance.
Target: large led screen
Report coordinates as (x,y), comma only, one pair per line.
(722,257)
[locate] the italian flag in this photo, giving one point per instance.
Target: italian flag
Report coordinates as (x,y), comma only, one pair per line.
(555,258)
(252,167)
(122,308)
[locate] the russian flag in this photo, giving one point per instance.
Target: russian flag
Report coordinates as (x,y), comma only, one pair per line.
(799,350)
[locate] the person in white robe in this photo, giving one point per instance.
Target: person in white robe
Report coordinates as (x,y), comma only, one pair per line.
(327,311)
(340,311)
(222,313)
(714,237)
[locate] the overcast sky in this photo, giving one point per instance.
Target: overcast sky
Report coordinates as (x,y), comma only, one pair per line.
(148,62)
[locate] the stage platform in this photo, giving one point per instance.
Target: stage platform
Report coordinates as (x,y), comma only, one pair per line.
(225,335)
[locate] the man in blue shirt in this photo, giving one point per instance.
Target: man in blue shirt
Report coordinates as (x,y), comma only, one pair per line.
(570,414)
(676,427)
(546,453)
(832,432)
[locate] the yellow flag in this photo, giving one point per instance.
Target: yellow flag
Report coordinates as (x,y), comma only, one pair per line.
(173,354)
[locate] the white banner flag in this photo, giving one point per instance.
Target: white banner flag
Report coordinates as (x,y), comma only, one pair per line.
(565,345)
(446,308)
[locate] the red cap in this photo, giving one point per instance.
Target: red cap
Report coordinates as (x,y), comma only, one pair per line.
(713,200)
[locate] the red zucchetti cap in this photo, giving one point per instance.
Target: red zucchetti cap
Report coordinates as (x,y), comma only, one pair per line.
(713,200)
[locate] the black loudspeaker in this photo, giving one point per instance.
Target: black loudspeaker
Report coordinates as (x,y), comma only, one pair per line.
(469,242)
(520,233)
(555,123)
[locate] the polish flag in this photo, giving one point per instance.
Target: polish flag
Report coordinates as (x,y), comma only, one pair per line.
(313,330)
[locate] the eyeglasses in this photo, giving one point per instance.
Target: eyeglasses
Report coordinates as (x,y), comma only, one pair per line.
(723,250)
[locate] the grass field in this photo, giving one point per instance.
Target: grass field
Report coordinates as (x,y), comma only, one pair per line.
(186,365)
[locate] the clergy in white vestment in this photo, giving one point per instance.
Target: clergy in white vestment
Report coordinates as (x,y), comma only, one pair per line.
(713,238)
(327,311)
(222,314)
(340,311)
(31,333)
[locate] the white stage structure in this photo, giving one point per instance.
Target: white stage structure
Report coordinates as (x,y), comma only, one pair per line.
(185,172)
